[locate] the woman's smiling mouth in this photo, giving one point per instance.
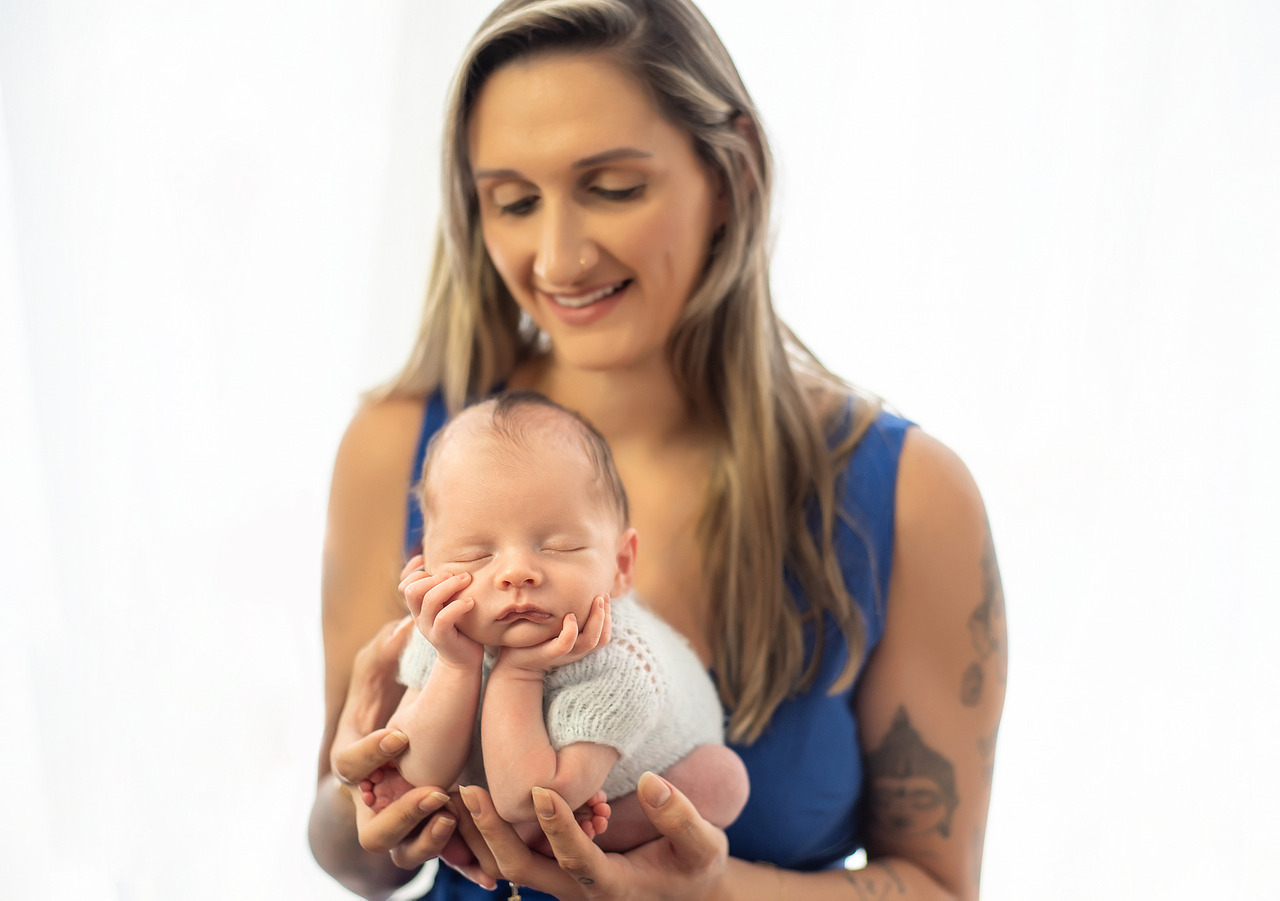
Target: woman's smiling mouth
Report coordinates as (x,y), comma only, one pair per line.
(578,301)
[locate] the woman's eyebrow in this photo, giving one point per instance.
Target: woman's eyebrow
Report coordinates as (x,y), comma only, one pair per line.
(608,156)
(618,153)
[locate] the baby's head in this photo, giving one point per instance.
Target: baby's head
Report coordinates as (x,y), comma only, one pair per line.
(523,494)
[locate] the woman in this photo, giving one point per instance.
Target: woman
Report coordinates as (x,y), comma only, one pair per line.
(603,242)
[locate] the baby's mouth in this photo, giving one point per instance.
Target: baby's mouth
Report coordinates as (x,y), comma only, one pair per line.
(586,300)
(532,614)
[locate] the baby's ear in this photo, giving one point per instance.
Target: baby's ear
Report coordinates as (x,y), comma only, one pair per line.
(626,563)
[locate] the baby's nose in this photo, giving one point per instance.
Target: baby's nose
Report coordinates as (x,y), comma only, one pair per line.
(518,571)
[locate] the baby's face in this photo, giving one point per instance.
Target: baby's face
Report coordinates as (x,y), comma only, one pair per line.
(533,532)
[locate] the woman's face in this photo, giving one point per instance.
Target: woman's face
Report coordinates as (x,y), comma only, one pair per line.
(596,211)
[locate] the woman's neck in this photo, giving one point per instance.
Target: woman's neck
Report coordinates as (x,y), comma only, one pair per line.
(632,406)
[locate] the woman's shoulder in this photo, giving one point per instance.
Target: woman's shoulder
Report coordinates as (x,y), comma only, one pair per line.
(381,420)
(934,485)
(377,450)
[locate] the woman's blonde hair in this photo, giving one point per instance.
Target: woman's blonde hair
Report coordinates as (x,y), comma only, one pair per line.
(784,421)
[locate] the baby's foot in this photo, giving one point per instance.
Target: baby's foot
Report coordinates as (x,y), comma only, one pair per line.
(384,785)
(593,816)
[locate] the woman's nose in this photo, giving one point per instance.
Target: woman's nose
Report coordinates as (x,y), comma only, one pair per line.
(565,253)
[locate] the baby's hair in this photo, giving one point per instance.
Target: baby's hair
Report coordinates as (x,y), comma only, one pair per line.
(521,418)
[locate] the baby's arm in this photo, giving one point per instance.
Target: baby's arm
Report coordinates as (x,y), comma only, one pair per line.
(517,751)
(440,717)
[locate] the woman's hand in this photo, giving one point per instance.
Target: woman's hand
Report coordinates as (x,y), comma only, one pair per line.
(687,861)
(362,745)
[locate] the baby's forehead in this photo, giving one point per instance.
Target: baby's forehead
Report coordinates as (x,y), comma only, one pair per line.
(535,431)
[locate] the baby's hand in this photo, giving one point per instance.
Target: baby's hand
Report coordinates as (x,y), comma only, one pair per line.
(432,602)
(570,646)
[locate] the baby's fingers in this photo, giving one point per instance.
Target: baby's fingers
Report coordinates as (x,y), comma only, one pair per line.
(410,565)
(426,595)
(447,619)
(568,637)
(598,626)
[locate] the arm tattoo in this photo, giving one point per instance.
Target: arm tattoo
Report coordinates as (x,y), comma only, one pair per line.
(987,748)
(913,787)
(871,887)
(987,630)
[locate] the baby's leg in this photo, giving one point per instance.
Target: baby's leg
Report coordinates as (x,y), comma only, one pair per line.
(387,783)
(712,776)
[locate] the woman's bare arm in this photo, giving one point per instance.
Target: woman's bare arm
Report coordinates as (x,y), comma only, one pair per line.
(362,562)
(930,700)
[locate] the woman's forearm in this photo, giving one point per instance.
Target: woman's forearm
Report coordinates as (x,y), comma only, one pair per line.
(332,834)
(886,879)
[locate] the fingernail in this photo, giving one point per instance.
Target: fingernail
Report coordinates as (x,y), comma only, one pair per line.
(469,799)
(433,802)
(441,827)
(393,743)
(656,792)
(542,803)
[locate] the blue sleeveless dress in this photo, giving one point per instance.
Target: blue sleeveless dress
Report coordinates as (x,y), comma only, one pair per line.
(806,769)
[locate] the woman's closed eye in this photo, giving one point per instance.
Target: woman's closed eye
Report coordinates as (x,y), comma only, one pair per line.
(619,194)
(522,207)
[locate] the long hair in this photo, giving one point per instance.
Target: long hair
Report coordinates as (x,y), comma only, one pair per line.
(784,421)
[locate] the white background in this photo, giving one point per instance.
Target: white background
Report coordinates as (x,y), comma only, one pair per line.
(1049,232)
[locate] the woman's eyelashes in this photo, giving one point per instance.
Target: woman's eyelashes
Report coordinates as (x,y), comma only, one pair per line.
(523,206)
(620,194)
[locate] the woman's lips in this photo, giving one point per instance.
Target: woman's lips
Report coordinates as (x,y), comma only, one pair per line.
(578,301)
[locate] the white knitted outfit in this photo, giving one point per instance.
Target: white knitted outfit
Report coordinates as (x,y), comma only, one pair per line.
(645,694)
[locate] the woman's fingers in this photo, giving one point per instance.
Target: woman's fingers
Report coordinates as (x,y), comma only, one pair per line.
(429,842)
(579,857)
(482,869)
(373,692)
(695,845)
(384,648)
(388,829)
(512,858)
(357,761)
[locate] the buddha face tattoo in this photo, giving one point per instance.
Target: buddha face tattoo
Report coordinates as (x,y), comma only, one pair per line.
(913,789)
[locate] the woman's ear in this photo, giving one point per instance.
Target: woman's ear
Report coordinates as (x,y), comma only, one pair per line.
(626,571)
(747,130)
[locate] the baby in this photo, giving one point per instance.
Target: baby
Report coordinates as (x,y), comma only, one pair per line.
(524,619)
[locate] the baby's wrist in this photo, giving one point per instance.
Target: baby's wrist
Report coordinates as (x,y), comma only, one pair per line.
(460,666)
(513,665)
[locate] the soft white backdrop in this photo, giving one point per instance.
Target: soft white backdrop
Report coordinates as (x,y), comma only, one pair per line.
(1048,232)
